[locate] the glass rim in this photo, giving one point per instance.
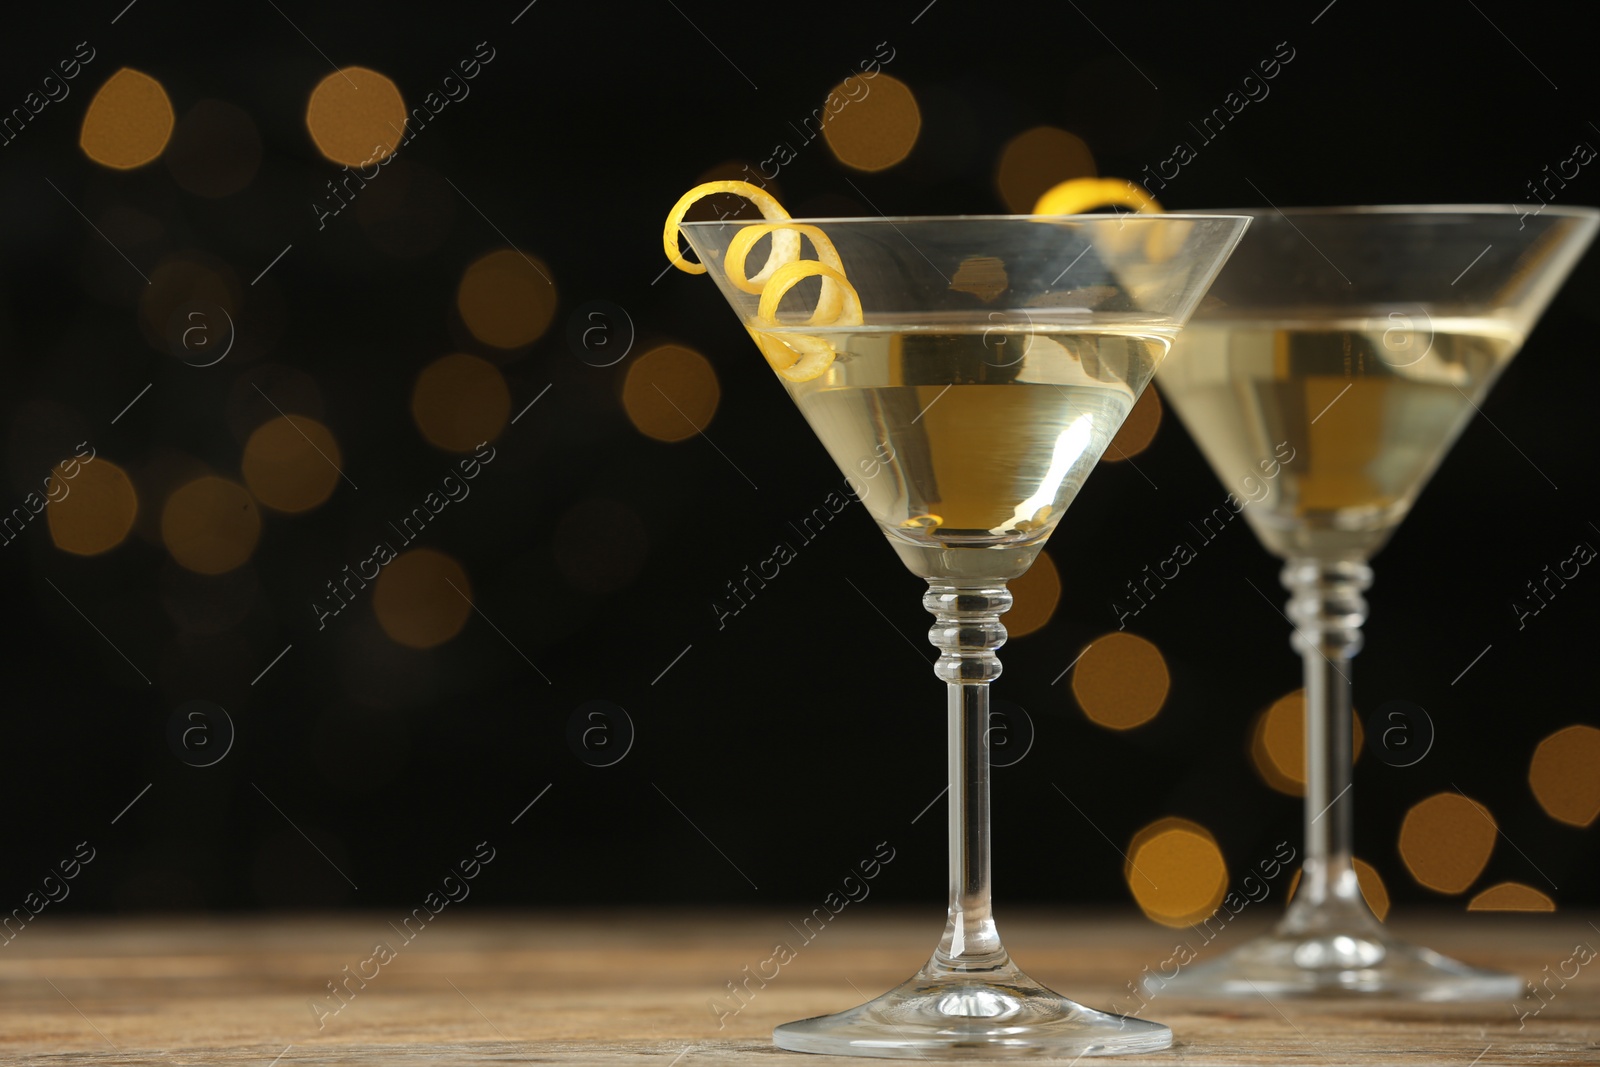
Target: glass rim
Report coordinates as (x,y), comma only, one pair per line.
(1578,211)
(1176,216)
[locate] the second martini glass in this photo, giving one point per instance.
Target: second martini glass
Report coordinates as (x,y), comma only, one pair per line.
(983,367)
(1353,345)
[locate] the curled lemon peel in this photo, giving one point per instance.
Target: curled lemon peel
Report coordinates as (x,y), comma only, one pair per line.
(739,248)
(796,357)
(1086,194)
(802,357)
(789,275)
(784,249)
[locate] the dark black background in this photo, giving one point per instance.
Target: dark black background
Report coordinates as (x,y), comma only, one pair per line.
(806,731)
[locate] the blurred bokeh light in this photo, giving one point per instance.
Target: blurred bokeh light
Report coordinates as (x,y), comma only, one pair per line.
(291,463)
(983,276)
(1565,775)
(1121,681)
(507,299)
(356,116)
(671,393)
(422,598)
(1034,597)
(1138,430)
(1175,871)
(460,401)
(1373,890)
(210,525)
(873,131)
(1446,840)
(1278,743)
(98,510)
(1511,896)
(1037,159)
(215,149)
(129,121)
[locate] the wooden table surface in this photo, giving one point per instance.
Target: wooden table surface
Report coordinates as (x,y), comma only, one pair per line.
(636,987)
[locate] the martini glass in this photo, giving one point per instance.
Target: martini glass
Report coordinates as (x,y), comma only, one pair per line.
(994,359)
(1337,358)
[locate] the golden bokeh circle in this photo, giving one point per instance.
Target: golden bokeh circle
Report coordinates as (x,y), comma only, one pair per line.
(1278,743)
(1138,430)
(1034,597)
(1121,681)
(98,509)
(1373,891)
(422,598)
(460,402)
(356,116)
(291,463)
(1511,896)
(210,525)
(129,121)
(873,129)
(1175,871)
(506,299)
(1446,840)
(671,393)
(1565,775)
(1036,160)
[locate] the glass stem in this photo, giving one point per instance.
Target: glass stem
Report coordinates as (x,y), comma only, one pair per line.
(1327,610)
(967,631)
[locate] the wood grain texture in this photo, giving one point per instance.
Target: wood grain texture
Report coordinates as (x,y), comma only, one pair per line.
(636,988)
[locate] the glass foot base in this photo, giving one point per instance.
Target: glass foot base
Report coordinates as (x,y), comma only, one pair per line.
(1335,964)
(996,1012)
